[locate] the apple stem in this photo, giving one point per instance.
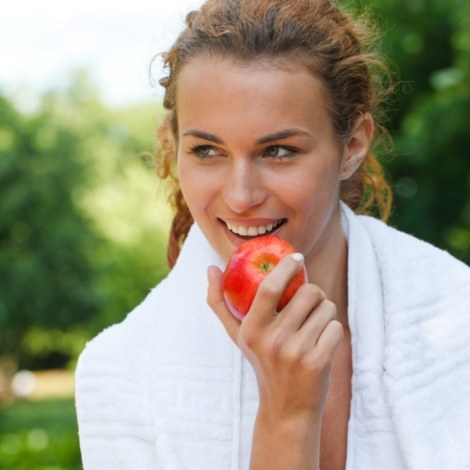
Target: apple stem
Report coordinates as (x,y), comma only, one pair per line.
(266,267)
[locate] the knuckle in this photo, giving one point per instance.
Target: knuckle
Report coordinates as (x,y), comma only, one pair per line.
(270,345)
(292,355)
(312,292)
(249,337)
(312,364)
(267,290)
(321,362)
(337,329)
(329,308)
(275,346)
(307,363)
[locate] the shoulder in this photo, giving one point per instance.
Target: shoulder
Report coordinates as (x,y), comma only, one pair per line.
(113,367)
(396,246)
(426,358)
(112,381)
(414,270)
(121,345)
(126,346)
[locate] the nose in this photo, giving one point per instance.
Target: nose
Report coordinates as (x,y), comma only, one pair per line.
(243,186)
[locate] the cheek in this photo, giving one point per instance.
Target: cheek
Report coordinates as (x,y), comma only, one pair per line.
(314,189)
(198,188)
(186,184)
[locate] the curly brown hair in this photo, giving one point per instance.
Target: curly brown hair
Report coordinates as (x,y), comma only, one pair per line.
(327,40)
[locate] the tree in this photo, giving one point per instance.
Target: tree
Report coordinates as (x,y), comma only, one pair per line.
(80,232)
(428,43)
(47,279)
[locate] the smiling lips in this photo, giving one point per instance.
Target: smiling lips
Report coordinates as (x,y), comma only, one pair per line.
(254,231)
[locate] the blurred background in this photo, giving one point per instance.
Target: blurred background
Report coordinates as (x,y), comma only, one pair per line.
(83,218)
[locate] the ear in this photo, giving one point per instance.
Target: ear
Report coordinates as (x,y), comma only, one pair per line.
(356,149)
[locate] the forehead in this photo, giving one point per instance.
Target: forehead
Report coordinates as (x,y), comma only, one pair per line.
(282,66)
(272,91)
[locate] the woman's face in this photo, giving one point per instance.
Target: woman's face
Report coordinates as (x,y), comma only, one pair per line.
(257,154)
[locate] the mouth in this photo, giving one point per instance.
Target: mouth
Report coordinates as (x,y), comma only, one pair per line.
(247,232)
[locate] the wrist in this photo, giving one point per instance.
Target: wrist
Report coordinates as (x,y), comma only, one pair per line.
(294,426)
(286,442)
(294,420)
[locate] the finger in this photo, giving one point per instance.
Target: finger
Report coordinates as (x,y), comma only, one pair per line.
(272,287)
(330,339)
(301,307)
(216,302)
(314,325)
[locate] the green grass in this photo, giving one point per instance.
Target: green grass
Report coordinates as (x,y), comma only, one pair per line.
(39,435)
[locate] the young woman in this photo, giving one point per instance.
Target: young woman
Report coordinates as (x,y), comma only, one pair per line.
(272,112)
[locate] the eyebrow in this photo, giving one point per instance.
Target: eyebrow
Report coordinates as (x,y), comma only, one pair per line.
(203,135)
(283,134)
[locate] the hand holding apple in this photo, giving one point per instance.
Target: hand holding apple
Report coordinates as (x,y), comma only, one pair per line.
(247,268)
(291,353)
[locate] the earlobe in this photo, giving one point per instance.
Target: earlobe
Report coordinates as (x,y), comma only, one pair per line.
(355,151)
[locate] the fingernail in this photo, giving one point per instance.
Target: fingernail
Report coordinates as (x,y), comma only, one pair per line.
(298,257)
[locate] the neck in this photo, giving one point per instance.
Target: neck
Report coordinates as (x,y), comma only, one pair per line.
(329,269)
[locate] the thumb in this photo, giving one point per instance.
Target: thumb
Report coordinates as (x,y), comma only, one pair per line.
(216,302)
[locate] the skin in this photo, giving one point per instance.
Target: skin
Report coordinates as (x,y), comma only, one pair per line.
(255,145)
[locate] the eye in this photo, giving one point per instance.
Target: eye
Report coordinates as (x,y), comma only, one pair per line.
(279,152)
(204,152)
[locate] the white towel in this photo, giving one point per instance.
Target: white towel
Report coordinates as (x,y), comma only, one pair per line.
(166,389)
(426,297)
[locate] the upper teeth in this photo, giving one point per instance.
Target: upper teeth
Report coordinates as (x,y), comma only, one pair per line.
(254,230)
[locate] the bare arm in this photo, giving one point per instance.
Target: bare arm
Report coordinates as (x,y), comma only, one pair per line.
(281,445)
(291,353)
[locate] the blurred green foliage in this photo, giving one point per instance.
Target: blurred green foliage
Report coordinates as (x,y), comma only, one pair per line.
(428,44)
(82,231)
(39,435)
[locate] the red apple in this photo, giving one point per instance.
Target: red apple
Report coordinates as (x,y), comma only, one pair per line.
(249,265)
